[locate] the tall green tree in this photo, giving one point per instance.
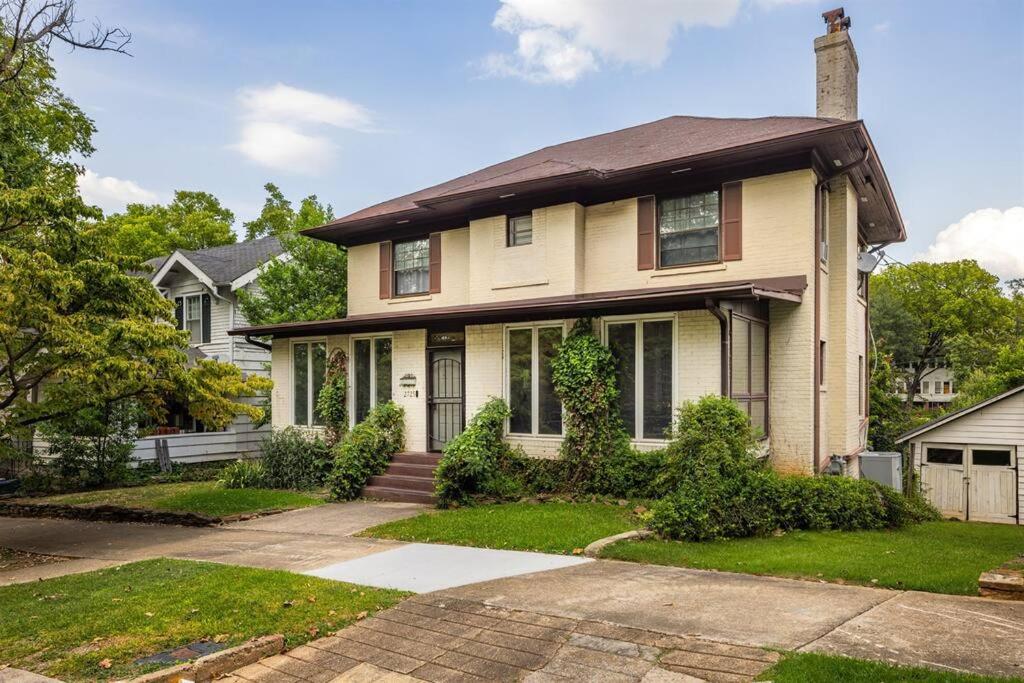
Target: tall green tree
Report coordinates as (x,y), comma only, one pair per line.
(311,283)
(193,220)
(924,312)
(276,218)
(77,330)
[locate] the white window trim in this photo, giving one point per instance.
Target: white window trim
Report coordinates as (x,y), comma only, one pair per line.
(939,444)
(310,406)
(373,371)
(825,227)
(185,318)
(534,378)
(637,436)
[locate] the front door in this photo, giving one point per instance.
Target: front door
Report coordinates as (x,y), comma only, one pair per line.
(446,398)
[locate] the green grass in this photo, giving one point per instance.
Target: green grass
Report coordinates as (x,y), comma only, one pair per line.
(200,497)
(542,527)
(65,627)
(802,668)
(941,557)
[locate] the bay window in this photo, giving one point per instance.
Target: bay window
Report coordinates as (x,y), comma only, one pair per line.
(309,368)
(371,375)
(749,363)
(688,229)
(644,353)
(531,390)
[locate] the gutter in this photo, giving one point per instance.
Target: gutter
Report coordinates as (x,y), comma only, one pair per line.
(723,321)
(841,171)
(257,343)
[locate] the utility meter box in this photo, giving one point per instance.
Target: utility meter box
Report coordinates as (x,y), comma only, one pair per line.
(883,467)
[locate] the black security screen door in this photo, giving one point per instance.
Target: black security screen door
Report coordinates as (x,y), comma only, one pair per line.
(446,396)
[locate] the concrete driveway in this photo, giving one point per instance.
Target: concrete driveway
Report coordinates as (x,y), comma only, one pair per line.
(297,541)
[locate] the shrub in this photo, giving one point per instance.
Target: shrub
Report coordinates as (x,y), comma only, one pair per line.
(583,372)
(478,462)
(93,447)
(630,473)
(720,490)
(243,474)
(366,450)
(293,459)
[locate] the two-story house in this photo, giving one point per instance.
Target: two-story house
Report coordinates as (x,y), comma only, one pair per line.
(715,256)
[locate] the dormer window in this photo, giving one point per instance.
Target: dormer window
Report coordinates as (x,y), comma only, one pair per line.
(688,230)
(412,267)
(520,230)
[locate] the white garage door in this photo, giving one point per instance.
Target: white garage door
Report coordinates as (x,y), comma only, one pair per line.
(972,482)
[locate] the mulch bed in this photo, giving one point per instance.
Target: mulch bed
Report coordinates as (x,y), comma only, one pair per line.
(117,513)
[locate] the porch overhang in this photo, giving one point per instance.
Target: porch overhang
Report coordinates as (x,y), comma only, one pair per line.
(651,300)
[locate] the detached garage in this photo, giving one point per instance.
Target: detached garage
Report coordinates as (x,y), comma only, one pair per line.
(967,461)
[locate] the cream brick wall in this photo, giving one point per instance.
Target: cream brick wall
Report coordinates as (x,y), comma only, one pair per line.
(409,356)
(485,366)
(846,314)
(364,278)
(699,363)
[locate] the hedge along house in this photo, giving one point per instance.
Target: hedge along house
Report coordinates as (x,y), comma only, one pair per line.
(715,256)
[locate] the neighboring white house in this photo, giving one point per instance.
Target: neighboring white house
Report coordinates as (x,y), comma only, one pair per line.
(937,388)
(203,285)
(967,460)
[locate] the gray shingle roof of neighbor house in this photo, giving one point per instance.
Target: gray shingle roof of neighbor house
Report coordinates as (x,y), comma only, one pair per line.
(601,160)
(956,414)
(226,263)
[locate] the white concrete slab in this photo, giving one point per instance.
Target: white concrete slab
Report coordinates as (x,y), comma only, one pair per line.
(422,567)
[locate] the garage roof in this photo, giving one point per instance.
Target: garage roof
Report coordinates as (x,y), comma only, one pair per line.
(957,414)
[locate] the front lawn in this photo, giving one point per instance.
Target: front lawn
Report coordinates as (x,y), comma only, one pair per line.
(74,626)
(541,527)
(200,497)
(941,557)
(804,667)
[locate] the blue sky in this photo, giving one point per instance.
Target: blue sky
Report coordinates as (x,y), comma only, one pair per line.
(360,101)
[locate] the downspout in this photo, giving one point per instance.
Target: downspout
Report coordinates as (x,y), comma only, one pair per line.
(723,321)
(257,343)
(841,171)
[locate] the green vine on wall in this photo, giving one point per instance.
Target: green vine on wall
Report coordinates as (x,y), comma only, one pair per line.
(584,377)
(332,404)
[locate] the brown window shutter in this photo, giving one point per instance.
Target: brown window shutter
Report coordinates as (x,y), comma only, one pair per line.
(385,270)
(732,221)
(435,263)
(645,237)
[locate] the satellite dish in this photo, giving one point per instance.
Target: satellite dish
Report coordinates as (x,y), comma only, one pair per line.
(868,261)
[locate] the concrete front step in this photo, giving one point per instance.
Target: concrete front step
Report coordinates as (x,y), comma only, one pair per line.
(396,481)
(416,458)
(407,470)
(398,495)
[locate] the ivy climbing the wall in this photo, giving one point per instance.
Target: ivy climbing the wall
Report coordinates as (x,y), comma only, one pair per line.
(332,404)
(584,378)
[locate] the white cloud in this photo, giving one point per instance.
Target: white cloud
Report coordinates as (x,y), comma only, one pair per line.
(557,42)
(882,26)
(112,194)
(281,127)
(993,238)
(284,103)
(280,146)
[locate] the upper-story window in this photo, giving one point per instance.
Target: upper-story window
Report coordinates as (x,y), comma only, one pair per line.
(520,230)
(192,313)
(688,229)
(412,266)
(823,207)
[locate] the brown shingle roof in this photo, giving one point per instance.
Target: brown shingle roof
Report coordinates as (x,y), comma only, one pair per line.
(675,137)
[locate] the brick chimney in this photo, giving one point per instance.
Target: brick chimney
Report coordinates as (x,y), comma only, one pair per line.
(837,68)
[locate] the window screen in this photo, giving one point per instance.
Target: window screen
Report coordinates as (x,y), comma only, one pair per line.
(520,230)
(412,266)
(945,456)
(991,457)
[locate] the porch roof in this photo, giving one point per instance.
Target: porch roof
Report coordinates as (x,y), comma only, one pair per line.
(628,301)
